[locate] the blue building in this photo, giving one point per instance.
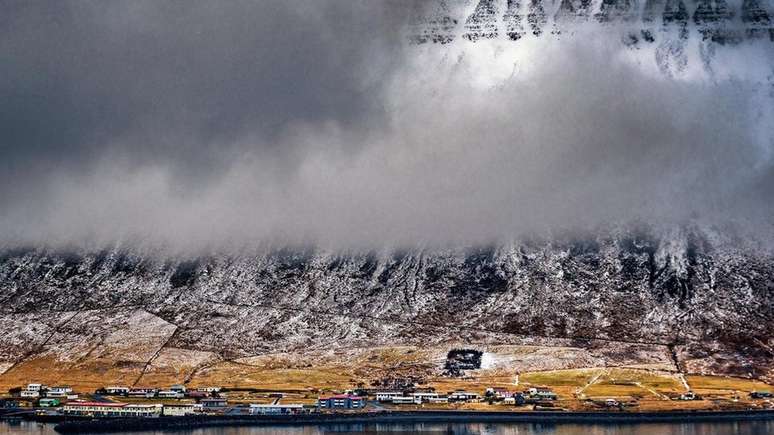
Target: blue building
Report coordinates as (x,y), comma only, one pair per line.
(341,401)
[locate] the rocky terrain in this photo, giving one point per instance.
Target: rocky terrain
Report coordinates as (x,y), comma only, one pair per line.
(717,20)
(686,298)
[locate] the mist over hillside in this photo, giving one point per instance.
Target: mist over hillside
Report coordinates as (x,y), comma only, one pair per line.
(224,180)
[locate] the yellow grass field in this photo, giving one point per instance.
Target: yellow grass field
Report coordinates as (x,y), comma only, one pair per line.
(721,385)
(302,377)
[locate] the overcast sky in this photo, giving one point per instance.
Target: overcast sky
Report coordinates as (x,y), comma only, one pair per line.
(209,124)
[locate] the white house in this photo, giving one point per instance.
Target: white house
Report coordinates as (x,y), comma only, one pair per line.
(276,409)
(63,391)
(179,409)
(386,396)
(178,387)
(169,394)
(210,389)
(35,387)
(424,397)
(117,390)
(29,393)
(406,400)
(148,393)
(463,396)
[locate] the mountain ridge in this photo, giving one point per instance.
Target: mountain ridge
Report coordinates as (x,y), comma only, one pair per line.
(712,304)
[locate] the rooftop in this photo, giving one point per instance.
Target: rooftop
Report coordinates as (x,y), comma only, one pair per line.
(341,396)
(108,404)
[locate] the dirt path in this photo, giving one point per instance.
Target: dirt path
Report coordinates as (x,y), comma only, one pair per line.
(579,393)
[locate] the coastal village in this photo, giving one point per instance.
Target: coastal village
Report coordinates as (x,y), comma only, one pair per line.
(178,400)
(461,386)
(380,381)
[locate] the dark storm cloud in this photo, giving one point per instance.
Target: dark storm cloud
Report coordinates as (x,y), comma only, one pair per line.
(214,124)
(178,83)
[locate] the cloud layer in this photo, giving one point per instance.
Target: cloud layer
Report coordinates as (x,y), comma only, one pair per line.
(211,125)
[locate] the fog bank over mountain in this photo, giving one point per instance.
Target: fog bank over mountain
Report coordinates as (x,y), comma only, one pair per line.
(229,125)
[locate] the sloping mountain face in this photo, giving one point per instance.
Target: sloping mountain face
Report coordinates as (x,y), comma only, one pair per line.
(710,303)
(474,20)
(677,32)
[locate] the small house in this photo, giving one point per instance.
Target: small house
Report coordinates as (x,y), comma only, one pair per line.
(424,396)
(35,387)
(209,389)
(212,403)
(499,393)
(541,393)
(178,410)
(277,409)
(178,387)
(147,393)
(117,391)
(462,396)
(406,400)
(170,394)
(62,391)
(386,396)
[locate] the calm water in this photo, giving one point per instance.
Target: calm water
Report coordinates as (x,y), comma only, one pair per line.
(743,428)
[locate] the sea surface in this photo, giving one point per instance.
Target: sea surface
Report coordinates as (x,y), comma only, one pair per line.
(742,428)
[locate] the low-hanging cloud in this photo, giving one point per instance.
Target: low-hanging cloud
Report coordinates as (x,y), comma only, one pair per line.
(213,125)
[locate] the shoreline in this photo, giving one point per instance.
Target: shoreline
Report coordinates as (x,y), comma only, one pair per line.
(553,417)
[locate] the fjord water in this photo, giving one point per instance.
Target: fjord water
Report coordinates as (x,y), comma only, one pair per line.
(720,428)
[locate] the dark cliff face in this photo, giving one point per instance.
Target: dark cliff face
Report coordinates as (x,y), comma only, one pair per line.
(678,288)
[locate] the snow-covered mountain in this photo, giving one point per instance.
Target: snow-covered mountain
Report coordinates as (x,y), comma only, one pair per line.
(700,294)
(717,20)
(679,32)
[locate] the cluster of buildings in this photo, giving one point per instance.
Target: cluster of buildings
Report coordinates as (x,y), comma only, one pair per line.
(210,400)
(419,397)
(201,401)
(40,395)
(35,391)
(532,395)
(174,392)
(67,402)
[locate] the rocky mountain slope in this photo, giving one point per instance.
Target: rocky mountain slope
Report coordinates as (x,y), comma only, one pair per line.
(717,20)
(706,300)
